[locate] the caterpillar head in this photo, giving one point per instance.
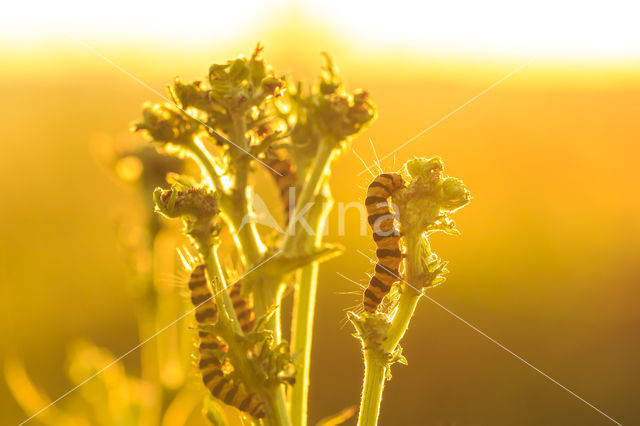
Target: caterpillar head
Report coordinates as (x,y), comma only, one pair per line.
(398,181)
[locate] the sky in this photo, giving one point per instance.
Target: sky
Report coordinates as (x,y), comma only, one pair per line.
(566,29)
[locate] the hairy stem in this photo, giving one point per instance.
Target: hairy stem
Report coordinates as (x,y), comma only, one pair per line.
(374,377)
(406,306)
(409,295)
(375,362)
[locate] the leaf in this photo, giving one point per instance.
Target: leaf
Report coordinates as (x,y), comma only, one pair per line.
(213,412)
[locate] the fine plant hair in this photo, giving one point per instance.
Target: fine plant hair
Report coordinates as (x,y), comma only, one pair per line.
(197,168)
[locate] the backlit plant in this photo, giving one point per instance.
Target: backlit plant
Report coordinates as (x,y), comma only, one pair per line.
(243,117)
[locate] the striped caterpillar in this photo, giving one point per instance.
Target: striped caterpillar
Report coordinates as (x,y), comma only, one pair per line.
(386,237)
(243,307)
(211,350)
(285,176)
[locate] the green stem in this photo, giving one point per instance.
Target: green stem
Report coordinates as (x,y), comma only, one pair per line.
(310,190)
(233,205)
(226,313)
(409,296)
(374,377)
(267,295)
(302,334)
(207,164)
(400,323)
(304,311)
(277,408)
(375,362)
(150,365)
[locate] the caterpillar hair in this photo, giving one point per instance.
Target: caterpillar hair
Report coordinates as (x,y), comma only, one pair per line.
(386,237)
(284,174)
(212,349)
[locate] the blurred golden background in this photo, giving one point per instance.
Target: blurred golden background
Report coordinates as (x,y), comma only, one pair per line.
(547,263)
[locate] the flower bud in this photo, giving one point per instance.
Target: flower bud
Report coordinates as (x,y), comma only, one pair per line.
(272,86)
(257,70)
(164,123)
(217,72)
(454,194)
(191,95)
(179,201)
(427,168)
(238,70)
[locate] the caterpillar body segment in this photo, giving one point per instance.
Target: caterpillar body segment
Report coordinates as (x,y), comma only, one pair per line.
(221,386)
(211,350)
(243,307)
(201,296)
(285,177)
(386,237)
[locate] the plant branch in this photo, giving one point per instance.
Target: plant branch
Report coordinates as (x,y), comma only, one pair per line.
(304,312)
(277,406)
(203,157)
(378,358)
(312,185)
(230,327)
(233,201)
(226,313)
(374,377)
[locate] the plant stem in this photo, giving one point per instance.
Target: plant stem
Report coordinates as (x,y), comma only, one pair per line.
(226,313)
(150,365)
(400,323)
(277,408)
(233,205)
(304,311)
(375,362)
(268,293)
(275,400)
(409,296)
(312,186)
(374,377)
(207,164)
(302,333)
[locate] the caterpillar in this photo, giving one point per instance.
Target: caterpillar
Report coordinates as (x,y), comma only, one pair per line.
(243,307)
(211,351)
(285,176)
(386,237)
(201,297)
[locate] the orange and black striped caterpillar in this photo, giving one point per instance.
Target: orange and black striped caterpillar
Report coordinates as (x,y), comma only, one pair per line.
(211,350)
(242,306)
(386,237)
(284,174)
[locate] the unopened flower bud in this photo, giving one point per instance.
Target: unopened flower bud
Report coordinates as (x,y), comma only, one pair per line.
(454,194)
(238,70)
